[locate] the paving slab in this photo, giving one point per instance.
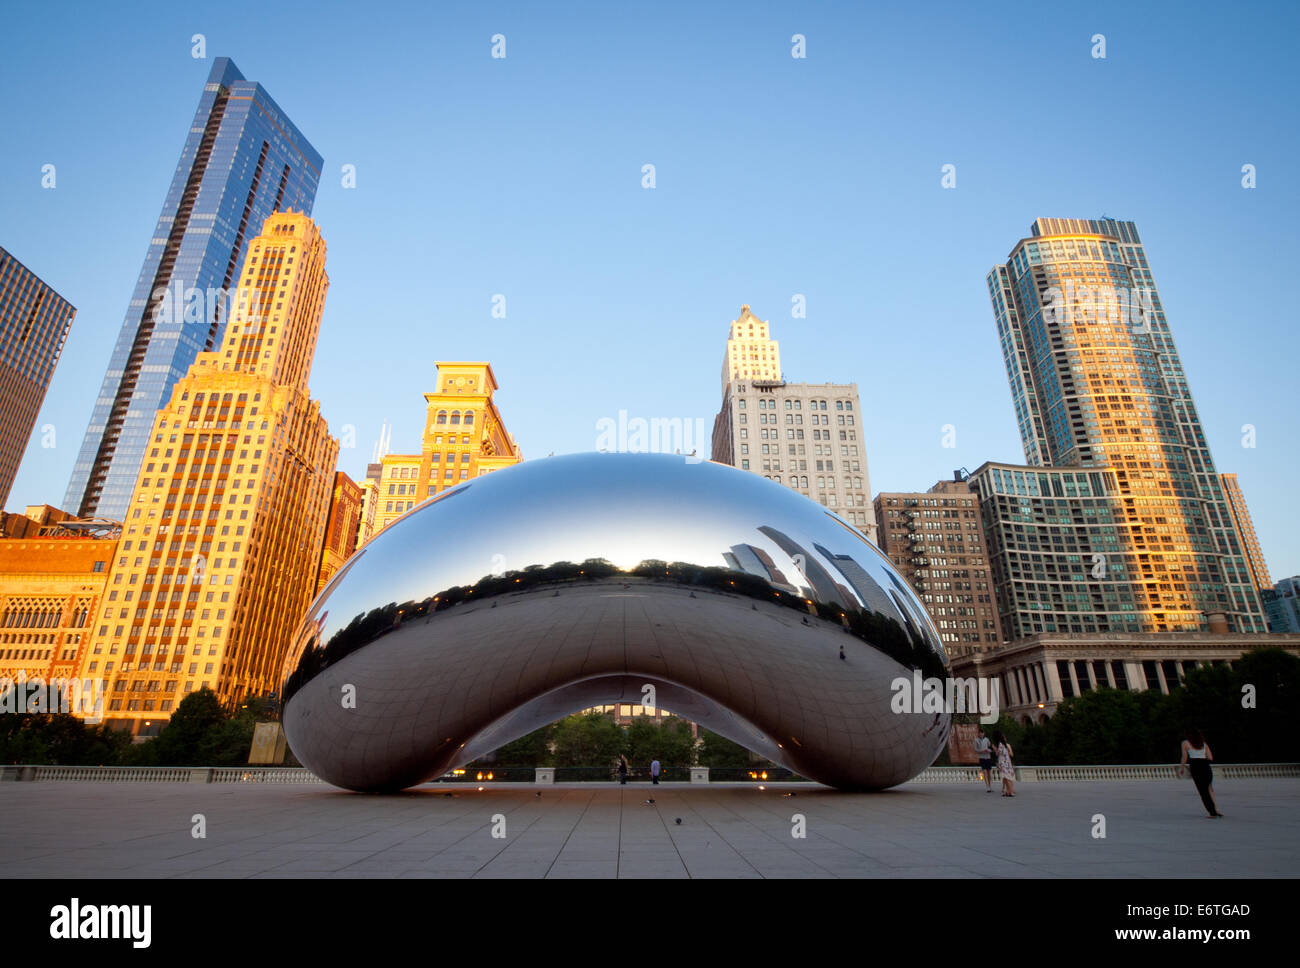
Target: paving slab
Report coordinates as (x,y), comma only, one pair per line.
(1152,829)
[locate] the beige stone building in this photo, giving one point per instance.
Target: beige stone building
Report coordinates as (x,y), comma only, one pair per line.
(464,437)
(1035,674)
(221,544)
(52,584)
(805,436)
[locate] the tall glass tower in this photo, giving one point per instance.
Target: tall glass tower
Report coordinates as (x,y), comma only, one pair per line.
(1097,383)
(243,161)
(34,321)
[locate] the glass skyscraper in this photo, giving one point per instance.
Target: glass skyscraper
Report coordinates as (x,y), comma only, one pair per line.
(1097,383)
(34,322)
(243,161)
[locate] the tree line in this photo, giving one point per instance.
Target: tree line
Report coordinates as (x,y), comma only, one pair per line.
(1248,714)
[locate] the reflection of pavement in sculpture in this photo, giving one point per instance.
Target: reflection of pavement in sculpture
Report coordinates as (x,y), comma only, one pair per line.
(622,570)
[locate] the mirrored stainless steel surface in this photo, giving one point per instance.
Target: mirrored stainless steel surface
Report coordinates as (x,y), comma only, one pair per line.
(567,582)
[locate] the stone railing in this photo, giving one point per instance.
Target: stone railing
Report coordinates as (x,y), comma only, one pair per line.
(1150,771)
(262,774)
(159,774)
(933,774)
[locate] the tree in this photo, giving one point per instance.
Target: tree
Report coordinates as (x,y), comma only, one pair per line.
(719,752)
(531,749)
(1273,676)
(58,738)
(182,741)
(590,739)
(670,742)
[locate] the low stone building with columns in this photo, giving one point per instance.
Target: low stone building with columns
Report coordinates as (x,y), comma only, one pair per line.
(1037,673)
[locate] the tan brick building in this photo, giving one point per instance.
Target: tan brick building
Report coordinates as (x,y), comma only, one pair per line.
(342,529)
(935,539)
(222,540)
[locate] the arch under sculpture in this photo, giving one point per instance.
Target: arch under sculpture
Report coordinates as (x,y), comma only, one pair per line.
(568,582)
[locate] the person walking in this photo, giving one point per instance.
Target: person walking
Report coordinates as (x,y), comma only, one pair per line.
(1197,758)
(984,750)
(1006,768)
(655,770)
(622,769)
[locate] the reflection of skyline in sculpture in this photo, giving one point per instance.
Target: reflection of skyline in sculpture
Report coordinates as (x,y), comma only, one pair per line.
(825,588)
(452,669)
(858,578)
(756,561)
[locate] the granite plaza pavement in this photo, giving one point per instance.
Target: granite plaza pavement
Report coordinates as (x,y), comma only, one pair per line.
(144,830)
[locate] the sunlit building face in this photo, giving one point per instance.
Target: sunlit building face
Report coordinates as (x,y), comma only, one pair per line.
(1097,384)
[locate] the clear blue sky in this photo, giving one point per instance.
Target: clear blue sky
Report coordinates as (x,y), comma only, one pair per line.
(775,176)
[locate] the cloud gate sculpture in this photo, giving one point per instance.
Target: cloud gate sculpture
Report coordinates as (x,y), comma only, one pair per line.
(568,582)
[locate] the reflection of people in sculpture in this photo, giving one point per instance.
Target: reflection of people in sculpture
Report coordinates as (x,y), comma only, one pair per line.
(622,769)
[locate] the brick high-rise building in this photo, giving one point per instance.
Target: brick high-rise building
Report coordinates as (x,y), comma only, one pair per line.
(464,437)
(936,541)
(342,529)
(1106,417)
(243,160)
(802,435)
(222,539)
(34,322)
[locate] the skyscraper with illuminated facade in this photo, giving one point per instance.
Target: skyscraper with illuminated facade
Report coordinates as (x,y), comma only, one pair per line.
(1120,522)
(242,161)
(222,540)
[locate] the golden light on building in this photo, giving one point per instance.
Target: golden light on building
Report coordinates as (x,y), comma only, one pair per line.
(221,545)
(1104,406)
(1245,528)
(52,584)
(464,437)
(342,528)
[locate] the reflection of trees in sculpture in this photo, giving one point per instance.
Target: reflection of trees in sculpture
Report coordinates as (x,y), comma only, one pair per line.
(884,632)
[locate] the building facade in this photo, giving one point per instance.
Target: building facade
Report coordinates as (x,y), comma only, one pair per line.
(1036,674)
(222,539)
(1282,603)
(52,585)
(464,437)
(1101,397)
(34,322)
(243,161)
(1245,529)
(805,436)
(936,541)
(342,528)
